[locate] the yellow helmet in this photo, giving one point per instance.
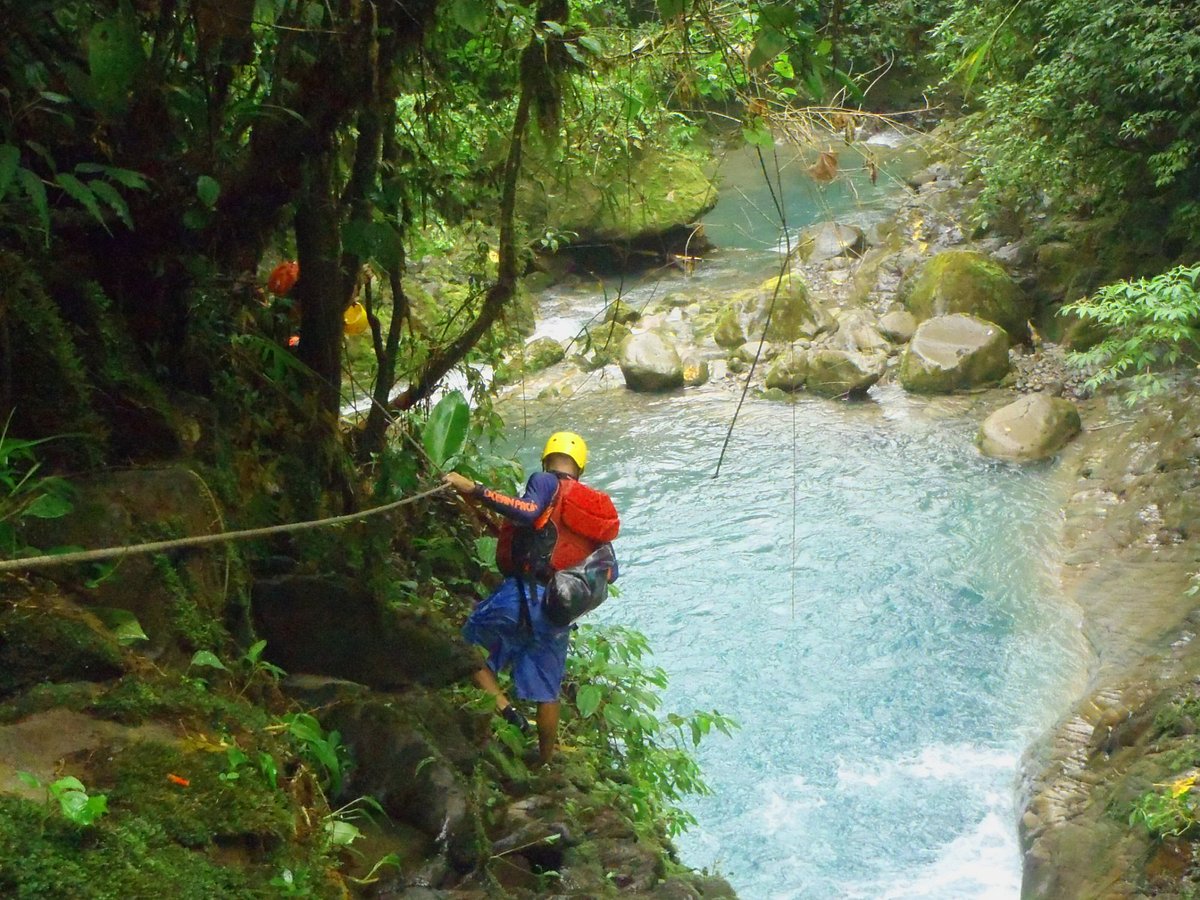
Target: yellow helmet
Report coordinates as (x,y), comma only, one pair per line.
(569,444)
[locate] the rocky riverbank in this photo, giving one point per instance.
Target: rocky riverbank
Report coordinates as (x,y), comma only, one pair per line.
(849,317)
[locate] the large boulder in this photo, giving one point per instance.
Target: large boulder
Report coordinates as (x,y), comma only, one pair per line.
(827,241)
(789,372)
(1034,427)
(541,353)
(650,362)
(963,281)
(950,353)
(669,191)
(372,643)
(836,373)
(795,315)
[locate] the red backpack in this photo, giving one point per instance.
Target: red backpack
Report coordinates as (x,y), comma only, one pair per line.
(578,521)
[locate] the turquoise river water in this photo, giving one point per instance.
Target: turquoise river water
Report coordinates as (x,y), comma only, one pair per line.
(865,594)
(887,665)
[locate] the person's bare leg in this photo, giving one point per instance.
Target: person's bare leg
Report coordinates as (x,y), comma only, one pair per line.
(547,726)
(486,679)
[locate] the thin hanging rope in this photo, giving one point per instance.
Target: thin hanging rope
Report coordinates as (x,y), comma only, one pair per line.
(82,556)
(785,265)
(795,496)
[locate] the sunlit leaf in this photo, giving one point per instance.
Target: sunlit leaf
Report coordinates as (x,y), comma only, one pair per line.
(445,433)
(587,700)
(207,659)
(122,623)
(769,44)
(48,506)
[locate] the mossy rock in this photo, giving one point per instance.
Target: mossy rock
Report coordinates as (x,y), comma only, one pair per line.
(729,332)
(180,603)
(624,202)
(795,316)
(837,373)
(621,312)
(53,640)
(603,342)
(951,353)
(964,281)
(543,353)
(789,372)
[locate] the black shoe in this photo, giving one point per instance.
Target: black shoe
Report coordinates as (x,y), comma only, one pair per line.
(513,716)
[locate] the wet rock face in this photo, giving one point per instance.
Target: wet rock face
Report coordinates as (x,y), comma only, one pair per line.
(130,507)
(951,353)
(1128,561)
(1035,427)
(331,625)
(650,362)
(963,281)
(542,353)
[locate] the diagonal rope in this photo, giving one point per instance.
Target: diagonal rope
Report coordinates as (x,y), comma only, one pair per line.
(82,556)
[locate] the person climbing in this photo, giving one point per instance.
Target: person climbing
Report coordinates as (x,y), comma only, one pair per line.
(555,537)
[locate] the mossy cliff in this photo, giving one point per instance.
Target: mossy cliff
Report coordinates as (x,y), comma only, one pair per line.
(224,776)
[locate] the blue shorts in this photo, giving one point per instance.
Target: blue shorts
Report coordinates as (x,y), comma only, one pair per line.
(537,655)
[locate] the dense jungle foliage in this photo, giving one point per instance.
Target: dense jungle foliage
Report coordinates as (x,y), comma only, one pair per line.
(159,159)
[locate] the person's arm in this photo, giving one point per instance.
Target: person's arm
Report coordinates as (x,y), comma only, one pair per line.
(524,510)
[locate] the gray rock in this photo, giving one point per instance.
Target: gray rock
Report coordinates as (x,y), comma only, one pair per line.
(834,373)
(956,352)
(650,362)
(1034,427)
(898,326)
(828,240)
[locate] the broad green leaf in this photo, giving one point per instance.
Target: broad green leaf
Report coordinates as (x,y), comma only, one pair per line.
(122,623)
(68,783)
(48,506)
(758,135)
(208,190)
(115,59)
(591,44)
(780,16)
(115,201)
(587,701)
(472,15)
(29,780)
(342,833)
(9,157)
(769,44)
(82,193)
(671,9)
(207,659)
(35,190)
(446,431)
(126,177)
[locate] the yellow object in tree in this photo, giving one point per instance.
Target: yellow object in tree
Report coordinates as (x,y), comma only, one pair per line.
(354,320)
